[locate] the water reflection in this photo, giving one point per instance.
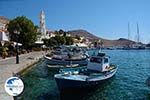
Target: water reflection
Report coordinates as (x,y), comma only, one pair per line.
(83,93)
(129,83)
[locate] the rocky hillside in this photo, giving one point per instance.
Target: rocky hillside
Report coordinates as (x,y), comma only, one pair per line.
(83,33)
(120,42)
(107,43)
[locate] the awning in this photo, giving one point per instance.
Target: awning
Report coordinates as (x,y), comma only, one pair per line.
(39,42)
(81,45)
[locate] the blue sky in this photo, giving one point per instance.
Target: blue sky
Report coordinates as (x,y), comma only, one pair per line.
(104,18)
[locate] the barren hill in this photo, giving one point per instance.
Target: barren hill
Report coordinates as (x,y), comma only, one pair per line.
(107,43)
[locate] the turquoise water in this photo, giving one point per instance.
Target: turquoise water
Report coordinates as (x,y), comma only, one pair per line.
(128,84)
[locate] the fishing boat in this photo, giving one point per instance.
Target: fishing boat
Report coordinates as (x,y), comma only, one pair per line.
(67,56)
(97,71)
(58,67)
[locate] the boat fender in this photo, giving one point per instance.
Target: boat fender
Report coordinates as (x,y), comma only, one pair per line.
(60,71)
(70,72)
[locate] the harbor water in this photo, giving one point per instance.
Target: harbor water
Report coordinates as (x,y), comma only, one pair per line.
(128,83)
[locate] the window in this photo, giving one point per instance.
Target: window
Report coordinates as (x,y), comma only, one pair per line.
(106,60)
(96,60)
(99,60)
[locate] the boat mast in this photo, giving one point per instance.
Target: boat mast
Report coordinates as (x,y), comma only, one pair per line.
(128,31)
(100,49)
(138,34)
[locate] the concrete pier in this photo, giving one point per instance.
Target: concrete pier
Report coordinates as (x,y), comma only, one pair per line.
(8,66)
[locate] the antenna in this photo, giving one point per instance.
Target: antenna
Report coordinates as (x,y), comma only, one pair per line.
(138,34)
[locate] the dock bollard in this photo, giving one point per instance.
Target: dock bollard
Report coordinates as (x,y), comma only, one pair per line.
(15,74)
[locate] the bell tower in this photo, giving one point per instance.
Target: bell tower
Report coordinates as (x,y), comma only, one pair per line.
(42,24)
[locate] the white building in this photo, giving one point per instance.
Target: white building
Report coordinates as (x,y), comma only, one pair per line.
(3,22)
(3,30)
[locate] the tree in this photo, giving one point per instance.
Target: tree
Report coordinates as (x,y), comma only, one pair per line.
(4,52)
(77,37)
(100,43)
(60,39)
(56,33)
(69,40)
(61,32)
(46,41)
(52,42)
(22,30)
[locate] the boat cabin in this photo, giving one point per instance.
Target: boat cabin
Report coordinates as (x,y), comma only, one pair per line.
(99,63)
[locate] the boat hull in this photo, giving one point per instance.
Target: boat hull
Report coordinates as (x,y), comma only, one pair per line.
(81,62)
(66,84)
(59,67)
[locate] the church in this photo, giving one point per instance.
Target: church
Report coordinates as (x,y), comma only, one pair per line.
(44,33)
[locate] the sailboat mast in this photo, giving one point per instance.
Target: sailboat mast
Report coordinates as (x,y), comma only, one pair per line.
(128,31)
(138,34)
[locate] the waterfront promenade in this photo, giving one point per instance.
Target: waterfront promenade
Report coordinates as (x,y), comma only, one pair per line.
(8,66)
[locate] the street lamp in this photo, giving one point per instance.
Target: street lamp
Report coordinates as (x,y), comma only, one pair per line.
(17,47)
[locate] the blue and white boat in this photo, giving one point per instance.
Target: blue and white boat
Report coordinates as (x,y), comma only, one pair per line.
(97,71)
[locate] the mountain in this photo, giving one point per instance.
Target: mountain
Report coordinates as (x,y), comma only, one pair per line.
(83,33)
(118,43)
(122,42)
